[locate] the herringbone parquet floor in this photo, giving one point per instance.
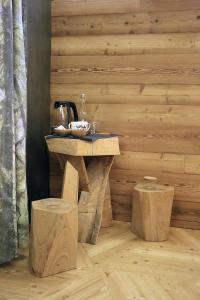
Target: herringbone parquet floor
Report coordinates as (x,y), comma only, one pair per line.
(119,267)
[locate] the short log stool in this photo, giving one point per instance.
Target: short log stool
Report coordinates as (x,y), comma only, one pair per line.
(54,237)
(152,206)
(54,230)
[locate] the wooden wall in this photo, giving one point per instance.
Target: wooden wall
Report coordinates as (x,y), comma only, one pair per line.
(138,61)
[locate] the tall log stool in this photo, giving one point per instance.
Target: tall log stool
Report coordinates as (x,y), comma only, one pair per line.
(54,230)
(152,206)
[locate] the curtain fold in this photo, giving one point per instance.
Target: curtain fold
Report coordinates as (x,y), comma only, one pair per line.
(13,94)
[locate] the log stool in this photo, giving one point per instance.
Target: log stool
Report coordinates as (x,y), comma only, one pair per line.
(54,230)
(151,213)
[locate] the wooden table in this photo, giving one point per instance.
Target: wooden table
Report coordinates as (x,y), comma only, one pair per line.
(95,201)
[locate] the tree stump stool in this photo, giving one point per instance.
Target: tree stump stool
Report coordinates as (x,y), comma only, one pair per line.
(151,213)
(54,229)
(54,236)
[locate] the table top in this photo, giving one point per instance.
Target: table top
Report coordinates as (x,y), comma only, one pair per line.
(76,147)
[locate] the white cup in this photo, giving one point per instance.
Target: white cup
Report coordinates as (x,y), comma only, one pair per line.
(79,125)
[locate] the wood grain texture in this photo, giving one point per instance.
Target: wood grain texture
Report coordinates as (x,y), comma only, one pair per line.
(130,23)
(141,94)
(62,8)
(91,204)
(77,147)
(70,184)
(162,68)
(54,235)
(138,63)
(62,63)
(120,266)
(126,44)
(79,164)
(93,7)
(158,162)
(107,217)
(151,212)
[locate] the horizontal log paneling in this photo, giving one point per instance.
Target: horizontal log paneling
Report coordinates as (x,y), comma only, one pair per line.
(187,186)
(192,164)
(126,44)
(139,64)
(158,162)
(150,22)
(82,7)
(182,61)
(168,5)
(160,68)
(93,7)
(143,116)
(185,224)
(129,93)
(172,90)
(148,162)
(169,141)
(188,211)
(118,75)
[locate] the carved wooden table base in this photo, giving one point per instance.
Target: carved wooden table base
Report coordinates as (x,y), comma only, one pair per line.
(95,208)
(95,200)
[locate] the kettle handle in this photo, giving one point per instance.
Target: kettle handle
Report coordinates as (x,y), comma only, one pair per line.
(74,109)
(69,119)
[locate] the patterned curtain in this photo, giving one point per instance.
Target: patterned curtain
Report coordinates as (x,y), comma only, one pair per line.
(13,86)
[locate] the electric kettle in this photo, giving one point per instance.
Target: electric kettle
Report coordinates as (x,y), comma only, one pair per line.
(66,112)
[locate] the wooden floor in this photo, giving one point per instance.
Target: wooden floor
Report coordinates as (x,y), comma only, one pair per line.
(119,267)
